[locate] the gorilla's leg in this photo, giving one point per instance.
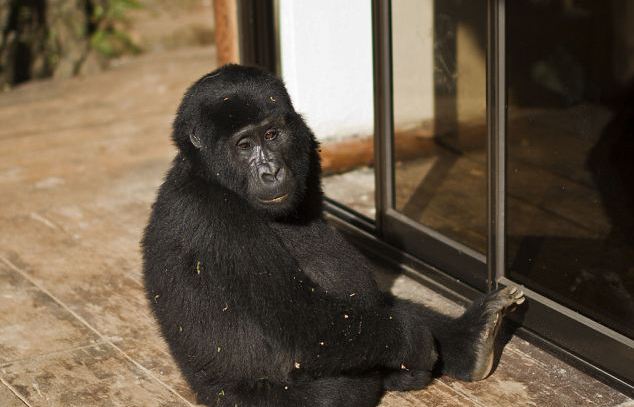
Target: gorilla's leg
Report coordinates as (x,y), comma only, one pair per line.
(352,391)
(466,344)
(405,379)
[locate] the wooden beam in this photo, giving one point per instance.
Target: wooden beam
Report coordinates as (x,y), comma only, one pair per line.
(226,31)
(345,155)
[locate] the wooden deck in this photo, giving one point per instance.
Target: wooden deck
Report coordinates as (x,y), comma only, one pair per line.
(80,161)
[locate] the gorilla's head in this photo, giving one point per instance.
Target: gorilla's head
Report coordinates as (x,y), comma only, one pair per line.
(238,129)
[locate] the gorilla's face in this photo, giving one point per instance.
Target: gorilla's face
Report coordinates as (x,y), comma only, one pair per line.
(264,159)
(247,137)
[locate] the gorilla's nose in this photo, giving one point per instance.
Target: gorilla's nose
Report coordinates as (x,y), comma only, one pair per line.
(271,173)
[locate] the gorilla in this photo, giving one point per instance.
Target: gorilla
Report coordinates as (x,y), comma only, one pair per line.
(261,302)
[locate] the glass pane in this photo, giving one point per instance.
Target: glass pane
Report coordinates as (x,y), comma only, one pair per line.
(571,154)
(439,74)
(329,77)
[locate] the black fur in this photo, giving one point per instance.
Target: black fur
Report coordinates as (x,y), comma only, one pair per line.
(267,305)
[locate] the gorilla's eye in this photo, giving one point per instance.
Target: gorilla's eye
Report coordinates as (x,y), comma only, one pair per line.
(270,134)
(244,144)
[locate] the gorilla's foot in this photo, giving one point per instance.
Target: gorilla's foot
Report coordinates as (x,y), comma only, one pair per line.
(492,308)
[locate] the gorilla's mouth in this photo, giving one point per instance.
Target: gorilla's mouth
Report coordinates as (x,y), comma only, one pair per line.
(275,200)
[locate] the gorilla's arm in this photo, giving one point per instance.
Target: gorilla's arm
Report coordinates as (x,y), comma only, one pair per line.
(346,275)
(233,259)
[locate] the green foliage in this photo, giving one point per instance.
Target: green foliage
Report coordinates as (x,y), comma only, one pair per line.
(109,17)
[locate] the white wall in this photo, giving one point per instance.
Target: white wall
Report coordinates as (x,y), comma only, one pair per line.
(326,61)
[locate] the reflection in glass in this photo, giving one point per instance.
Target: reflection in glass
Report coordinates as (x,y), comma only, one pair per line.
(439,79)
(570,169)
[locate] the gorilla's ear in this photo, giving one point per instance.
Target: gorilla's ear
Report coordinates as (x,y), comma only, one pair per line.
(193,137)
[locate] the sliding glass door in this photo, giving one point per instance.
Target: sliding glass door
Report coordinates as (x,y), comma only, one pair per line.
(570,163)
(505,135)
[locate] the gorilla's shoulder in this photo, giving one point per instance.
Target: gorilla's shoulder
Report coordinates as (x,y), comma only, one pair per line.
(186,199)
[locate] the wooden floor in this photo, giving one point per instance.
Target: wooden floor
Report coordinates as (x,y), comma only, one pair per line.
(80,161)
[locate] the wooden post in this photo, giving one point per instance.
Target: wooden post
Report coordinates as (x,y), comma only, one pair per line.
(226,31)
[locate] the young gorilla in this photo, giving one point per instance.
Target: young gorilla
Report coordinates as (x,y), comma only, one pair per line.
(260,301)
